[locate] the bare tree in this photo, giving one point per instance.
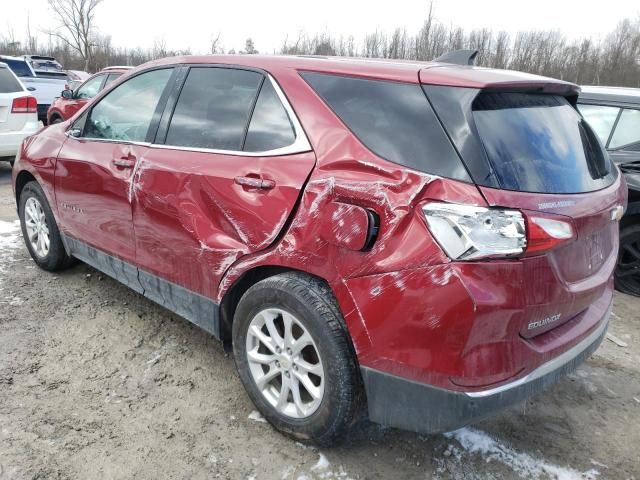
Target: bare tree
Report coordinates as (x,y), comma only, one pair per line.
(216,46)
(76,27)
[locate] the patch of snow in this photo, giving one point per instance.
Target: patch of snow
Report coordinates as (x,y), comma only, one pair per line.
(10,241)
(322,463)
(524,465)
(257,416)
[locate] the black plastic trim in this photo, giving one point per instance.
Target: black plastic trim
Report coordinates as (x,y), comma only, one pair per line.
(196,308)
(397,402)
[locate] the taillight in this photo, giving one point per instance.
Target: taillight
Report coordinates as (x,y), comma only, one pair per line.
(467,232)
(544,233)
(24,105)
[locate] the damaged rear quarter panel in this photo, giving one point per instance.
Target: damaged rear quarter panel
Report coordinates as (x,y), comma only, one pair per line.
(348,173)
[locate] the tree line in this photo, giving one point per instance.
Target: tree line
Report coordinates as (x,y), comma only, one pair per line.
(611,60)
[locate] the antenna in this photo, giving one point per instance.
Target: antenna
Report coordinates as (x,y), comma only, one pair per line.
(459,57)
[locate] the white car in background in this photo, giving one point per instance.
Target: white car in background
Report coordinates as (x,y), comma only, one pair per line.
(18,113)
(43,77)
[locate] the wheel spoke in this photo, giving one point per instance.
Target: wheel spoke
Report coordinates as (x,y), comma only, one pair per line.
(301,342)
(307,367)
(284,394)
(261,358)
(273,331)
(266,341)
(267,377)
(297,398)
(288,329)
(308,385)
(627,272)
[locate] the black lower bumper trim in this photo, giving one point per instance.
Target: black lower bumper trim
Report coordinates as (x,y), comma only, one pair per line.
(401,403)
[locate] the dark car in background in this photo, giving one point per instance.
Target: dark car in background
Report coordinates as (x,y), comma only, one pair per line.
(614,114)
(72,100)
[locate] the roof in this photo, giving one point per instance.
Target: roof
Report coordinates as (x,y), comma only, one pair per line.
(384,69)
(611,94)
(116,67)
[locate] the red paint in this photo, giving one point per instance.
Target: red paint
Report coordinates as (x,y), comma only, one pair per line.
(202,220)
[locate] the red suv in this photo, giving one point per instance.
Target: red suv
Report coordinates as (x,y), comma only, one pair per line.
(430,240)
(71,101)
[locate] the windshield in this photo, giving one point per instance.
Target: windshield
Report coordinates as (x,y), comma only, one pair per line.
(539,143)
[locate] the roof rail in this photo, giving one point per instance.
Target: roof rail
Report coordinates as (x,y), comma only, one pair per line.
(459,57)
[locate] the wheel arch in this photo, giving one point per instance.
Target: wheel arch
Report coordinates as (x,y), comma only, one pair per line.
(22,179)
(245,281)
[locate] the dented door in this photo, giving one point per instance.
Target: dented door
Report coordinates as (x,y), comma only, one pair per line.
(196,213)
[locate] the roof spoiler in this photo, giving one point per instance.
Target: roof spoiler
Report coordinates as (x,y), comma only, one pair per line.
(459,57)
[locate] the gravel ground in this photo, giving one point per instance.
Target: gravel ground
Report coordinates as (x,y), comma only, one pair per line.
(98,382)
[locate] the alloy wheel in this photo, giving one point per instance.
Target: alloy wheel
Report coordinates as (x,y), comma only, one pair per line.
(37,228)
(285,363)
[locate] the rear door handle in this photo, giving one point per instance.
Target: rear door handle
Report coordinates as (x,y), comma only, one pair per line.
(126,160)
(253,182)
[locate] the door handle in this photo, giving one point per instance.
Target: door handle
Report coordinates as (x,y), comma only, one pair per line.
(125,162)
(254,182)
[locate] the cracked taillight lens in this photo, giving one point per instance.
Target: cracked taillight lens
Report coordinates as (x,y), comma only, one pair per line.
(467,232)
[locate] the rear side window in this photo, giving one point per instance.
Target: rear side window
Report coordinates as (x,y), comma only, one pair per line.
(213,108)
(627,133)
(270,127)
(111,78)
(394,120)
(601,118)
(8,83)
(539,143)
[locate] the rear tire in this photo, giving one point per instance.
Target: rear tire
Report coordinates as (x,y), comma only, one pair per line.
(40,230)
(627,273)
(324,372)
(56,120)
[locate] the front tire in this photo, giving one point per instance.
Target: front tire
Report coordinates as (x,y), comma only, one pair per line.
(40,230)
(295,359)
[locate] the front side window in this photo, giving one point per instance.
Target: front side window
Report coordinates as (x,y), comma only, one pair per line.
(601,118)
(540,143)
(90,89)
(270,127)
(126,112)
(213,108)
(627,133)
(394,120)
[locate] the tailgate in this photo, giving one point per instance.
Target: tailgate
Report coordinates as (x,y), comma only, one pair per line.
(46,89)
(563,282)
(528,148)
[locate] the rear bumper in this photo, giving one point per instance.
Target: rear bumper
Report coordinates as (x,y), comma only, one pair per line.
(397,402)
(10,141)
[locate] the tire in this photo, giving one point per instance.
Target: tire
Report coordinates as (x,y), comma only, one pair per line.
(55,257)
(56,120)
(627,273)
(310,307)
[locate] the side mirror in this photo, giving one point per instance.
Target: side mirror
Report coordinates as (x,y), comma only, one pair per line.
(67,94)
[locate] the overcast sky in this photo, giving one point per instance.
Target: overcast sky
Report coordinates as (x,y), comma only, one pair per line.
(193,23)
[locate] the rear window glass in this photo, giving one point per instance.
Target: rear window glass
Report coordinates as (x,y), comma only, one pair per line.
(539,143)
(270,127)
(394,120)
(19,67)
(8,83)
(213,109)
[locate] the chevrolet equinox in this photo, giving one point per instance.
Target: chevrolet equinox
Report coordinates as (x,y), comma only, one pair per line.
(427,241)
